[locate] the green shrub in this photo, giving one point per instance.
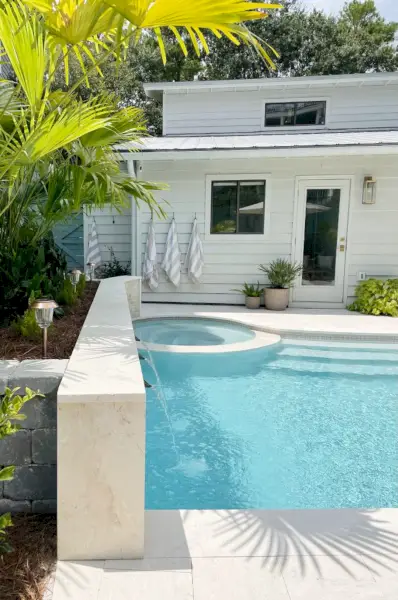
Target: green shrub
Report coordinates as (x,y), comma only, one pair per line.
(37,269)
(376,297)
(67,295)
(10,406)
(250,290)
(113,268)
(281,273)
(27,326)
(81,286)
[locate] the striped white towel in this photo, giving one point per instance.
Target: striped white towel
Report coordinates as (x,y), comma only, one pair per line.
(195,258)
(150,273)
(93,252)
(172,257)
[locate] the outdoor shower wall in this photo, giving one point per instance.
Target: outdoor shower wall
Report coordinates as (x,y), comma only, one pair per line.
(33,449)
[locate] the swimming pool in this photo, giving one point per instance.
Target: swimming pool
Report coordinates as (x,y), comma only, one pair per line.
(288,426)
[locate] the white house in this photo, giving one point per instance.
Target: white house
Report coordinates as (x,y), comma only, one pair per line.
(299,168)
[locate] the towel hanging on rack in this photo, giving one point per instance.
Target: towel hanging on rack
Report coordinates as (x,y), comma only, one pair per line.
(195,258)
(172,257)
(93,251)
(150,273)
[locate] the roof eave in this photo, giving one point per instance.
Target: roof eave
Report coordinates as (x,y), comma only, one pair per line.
(347,150)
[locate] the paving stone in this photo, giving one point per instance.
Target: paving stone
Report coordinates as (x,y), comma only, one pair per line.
(35,482)
(40,413)
(14,506)
(44,446)
(44,507)
(16,449)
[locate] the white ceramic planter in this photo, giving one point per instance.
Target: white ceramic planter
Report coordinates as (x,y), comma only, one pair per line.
(276,299)
(252,302)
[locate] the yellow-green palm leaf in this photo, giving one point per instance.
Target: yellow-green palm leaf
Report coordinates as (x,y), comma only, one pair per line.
(25,42)
(77,21)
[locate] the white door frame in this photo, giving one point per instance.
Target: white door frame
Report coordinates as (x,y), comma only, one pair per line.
(323,181)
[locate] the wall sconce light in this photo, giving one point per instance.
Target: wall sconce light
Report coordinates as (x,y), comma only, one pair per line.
(369,191)
(44,313)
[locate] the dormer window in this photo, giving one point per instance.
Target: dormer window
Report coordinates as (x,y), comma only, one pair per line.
(295,114)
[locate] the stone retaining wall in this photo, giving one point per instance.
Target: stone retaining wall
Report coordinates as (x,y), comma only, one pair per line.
(33,450)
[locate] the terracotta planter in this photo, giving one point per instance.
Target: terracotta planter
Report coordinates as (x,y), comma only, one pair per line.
(276,299)
(252,302)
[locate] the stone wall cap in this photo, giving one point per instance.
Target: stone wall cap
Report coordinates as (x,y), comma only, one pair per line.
(104,366)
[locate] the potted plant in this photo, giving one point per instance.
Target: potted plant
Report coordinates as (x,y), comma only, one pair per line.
(252,294)
(281,275)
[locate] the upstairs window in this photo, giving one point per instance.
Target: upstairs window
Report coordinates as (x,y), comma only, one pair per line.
(237,207)
(295,114)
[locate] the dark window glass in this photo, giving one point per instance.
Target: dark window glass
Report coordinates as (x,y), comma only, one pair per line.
(237,207)
(290,114)
(279,114)
(320,236)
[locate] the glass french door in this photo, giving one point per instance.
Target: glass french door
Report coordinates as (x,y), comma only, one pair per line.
(321,239)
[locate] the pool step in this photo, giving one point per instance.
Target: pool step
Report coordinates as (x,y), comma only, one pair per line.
(338,367)
(343,354)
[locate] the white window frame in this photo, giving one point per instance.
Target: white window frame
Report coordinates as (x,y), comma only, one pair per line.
(295,128)
(237,237)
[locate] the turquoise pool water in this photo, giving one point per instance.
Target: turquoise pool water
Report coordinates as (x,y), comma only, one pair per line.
(285,427)
(191,332)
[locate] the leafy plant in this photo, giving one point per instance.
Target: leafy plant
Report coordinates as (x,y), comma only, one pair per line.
(28,270)
(376,297)
(27,326)
(113,268)
(81,285)
(67,295)
(10,407)
(250,290)
(281,273)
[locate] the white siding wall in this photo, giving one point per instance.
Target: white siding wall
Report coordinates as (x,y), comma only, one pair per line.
(114,231)
(348,106)
(372,237)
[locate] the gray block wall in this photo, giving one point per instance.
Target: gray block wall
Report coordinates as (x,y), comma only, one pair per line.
(33,449)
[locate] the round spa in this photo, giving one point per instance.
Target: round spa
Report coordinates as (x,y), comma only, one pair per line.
(191,332)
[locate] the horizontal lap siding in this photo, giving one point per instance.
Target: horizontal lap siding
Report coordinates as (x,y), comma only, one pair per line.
(114,231)
(373,234)
(228,264)
(243,111)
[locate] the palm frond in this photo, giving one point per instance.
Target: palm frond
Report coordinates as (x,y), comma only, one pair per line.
(125,125)
(77,21)
(24,39)
(60,128)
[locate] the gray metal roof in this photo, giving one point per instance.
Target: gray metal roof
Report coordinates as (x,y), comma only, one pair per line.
(266,141)
(156,89)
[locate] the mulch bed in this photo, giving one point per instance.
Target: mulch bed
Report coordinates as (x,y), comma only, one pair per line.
(25,573)
(62,335)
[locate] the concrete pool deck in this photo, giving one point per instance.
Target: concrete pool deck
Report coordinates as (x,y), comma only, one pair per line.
(249,555)
(294,322)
